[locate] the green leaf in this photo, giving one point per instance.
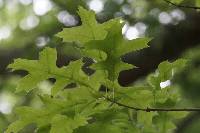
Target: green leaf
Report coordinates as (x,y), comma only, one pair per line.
(49,115)
(38,70)
(16,126)
(63,124)
(110,121)
(166,70)
(115,46)
(92,32)
(27,116)
(85,108)
(145,121)
(145,118)
(46,68)
(89,30)
(96,55)
(164,123)
(135,98)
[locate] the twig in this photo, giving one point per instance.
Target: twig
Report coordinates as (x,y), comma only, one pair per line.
(181,6)
(148,109)
(155,109)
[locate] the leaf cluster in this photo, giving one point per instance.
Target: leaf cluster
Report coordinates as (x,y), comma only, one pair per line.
(85,107)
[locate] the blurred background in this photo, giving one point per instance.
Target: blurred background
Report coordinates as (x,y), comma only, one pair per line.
(27,26)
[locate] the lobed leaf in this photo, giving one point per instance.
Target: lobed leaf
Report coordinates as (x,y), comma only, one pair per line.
(89,30)
(46,68)
(114,45)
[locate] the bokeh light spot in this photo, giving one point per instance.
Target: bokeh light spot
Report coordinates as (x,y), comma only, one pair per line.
(96,5)
(42,41)
(66,18)
(41,7)
(164,18)
(5,32)
(29,23)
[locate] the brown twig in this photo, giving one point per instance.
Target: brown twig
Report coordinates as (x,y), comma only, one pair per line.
(147,109)
(181,6)
(155,109)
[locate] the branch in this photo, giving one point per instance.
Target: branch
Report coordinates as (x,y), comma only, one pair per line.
(147,109)
(155,109)
(181,6)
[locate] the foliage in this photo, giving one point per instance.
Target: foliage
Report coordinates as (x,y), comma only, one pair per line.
(88,107)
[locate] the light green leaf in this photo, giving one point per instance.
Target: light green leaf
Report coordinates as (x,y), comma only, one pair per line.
(49,115)
(27,116)
(164,123)
(135,98)
(16,126)
(96,55)
(144,118)
(110,121)
(166,70)
(46,68)
(89,30)
(115,46)
(63,124)
(38,70)
(145,121)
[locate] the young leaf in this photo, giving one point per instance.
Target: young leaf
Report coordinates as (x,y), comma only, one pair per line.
(89,30)
(164,123)
(166,70)
(46,68)
(145,121)
(63,124)
(27,116)
(48,115)
(115,46)
(110,121)
(38,70)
